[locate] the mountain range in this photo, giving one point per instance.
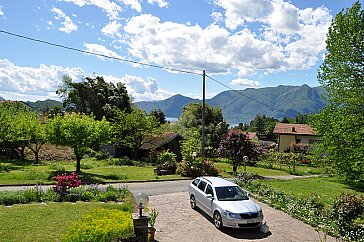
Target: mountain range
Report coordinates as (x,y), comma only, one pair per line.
(242,106)
(238,106)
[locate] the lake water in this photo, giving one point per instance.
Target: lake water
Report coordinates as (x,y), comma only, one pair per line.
(172,120)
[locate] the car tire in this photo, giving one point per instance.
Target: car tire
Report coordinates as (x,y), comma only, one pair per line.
(193,202)
(218,220)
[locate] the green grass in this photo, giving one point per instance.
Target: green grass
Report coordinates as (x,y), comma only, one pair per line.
(93,172)
(38,222)
(227,169)
(325,187)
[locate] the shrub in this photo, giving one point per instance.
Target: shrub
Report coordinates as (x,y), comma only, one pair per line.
(197,168)
(167,168)
(102,155)
(101,225)
(166,157)
(64,182)
(124,161)
(345,210)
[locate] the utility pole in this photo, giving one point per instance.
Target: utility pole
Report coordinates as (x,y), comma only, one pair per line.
(203,114)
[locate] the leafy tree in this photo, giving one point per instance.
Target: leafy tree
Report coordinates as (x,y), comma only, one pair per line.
(159,116)
(341,123)
(235,146)
(94,95)
(129,129)
(78,131)
(20,128)
(301,118)
(285,120)
(191,121)
(263,126)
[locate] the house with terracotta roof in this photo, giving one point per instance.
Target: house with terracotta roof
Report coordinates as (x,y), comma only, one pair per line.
(295,137)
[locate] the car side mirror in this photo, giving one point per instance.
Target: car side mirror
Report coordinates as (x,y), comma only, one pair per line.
(248,194)
(209,196)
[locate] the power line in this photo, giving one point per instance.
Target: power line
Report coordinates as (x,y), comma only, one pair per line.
(96,54)
(134,62)
(264,104)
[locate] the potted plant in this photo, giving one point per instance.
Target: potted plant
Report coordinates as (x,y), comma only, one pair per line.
(152,217)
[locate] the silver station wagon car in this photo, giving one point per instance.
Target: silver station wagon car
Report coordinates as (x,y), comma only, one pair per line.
(225,202)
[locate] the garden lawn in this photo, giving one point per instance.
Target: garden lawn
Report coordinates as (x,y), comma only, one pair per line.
(92,171)
(326,188)
(38,222)
(227,170)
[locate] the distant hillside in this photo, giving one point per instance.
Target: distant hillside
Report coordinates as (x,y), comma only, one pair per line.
(242,106)
(2,99)
(44,105)
(172,107)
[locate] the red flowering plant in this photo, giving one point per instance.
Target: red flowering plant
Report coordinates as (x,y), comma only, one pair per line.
(65,182)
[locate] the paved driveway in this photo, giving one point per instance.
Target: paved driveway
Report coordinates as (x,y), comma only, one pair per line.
(178,222)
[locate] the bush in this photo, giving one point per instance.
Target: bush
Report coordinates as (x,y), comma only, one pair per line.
(27,196)
(345,210)
(102,225)
(197,168)
(166,157)
(124,161)
(65,182)
(166,168)
(102,155)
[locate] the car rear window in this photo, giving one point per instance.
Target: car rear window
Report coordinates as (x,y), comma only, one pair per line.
(202,185)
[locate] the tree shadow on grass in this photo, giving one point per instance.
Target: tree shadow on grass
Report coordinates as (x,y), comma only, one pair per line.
(357,186)
(239,233)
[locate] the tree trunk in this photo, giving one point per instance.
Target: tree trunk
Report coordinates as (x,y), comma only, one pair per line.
(78,160)
(78,164)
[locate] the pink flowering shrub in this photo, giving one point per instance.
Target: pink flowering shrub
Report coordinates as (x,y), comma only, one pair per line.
(65,182)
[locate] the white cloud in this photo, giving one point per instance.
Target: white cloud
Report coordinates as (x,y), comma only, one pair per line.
(285,38)
(68,25)
(134,4)
(1,11)
(237,12)
(29,83)
(245,82)
(160,3)
(112,29)
(144,90)
(111,8)
(101,50)
(193,48)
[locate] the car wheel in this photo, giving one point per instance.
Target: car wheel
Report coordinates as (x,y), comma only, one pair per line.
(218,220)
(193,202)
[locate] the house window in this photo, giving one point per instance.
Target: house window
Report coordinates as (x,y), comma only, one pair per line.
(298,141)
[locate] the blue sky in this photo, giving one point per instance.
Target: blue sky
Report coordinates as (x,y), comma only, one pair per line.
(240,43)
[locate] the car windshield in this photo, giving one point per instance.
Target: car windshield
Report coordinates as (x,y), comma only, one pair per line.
(231,193)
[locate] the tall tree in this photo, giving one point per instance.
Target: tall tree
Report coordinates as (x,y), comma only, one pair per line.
(94,95)
(78,131)
(191,121)
(159,116)
(129,129)
(341,123)
(15,131)
(235,146)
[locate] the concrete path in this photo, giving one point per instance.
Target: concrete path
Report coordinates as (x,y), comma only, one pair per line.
(178,222)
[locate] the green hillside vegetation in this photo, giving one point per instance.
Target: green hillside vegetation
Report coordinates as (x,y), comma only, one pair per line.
(46,105)
(242,106)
